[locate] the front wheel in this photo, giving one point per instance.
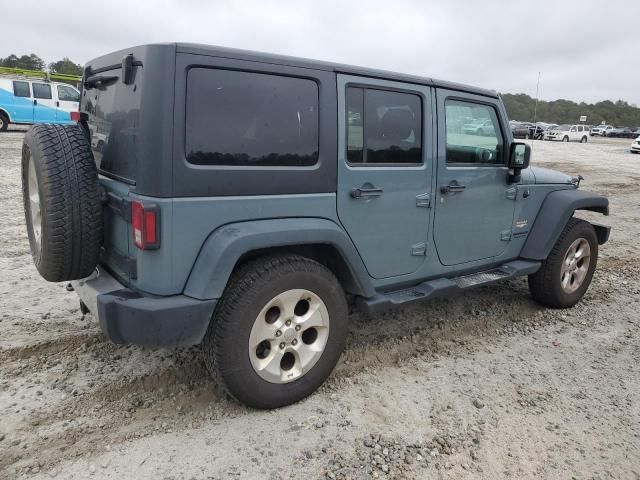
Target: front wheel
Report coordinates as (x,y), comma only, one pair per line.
(278,331)
(4,123)
(566,274)
(565,139)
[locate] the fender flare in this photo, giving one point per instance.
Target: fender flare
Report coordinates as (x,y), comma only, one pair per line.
(557,208)
(227,244)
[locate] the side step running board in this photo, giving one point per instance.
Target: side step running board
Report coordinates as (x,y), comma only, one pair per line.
(443,286)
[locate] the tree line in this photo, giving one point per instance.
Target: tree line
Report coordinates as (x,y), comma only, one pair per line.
(521,107)
(34,62)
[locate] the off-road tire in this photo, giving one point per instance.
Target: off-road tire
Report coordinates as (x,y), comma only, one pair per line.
(250,288)
(4,122)
(69,199)
(545,286)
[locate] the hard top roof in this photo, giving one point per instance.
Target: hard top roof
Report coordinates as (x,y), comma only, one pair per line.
(215,51)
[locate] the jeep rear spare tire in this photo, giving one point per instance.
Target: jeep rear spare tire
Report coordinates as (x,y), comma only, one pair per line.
(61,202)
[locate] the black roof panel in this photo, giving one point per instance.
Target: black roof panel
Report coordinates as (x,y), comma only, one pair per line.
(248,55)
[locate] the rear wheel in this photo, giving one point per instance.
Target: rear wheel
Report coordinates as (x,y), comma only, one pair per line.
(278,331)
(566,274)
(4,122)
(565,139)
(583,140)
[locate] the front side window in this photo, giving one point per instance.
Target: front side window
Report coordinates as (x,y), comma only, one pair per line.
(68,94)
(21,89)
(473,133)
(250,119)
(383,127)
(42,90)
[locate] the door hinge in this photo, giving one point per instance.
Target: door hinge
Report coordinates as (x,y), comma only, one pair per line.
(423,200)
(419,249)
(511,193)
(505,235)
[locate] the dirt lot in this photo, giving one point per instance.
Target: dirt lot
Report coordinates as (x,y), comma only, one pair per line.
(482,385)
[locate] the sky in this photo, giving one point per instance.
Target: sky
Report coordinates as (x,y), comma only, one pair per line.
(585,50)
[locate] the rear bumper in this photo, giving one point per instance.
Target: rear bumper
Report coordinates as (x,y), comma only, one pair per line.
(127,316)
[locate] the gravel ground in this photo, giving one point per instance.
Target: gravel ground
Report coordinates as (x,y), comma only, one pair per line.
(482,385)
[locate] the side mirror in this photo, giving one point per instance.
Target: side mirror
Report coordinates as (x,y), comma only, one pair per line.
(519,157)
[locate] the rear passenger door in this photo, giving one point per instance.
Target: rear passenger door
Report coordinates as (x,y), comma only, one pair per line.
(384,171)
(44,106)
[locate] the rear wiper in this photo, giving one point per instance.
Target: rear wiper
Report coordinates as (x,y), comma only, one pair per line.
(95,80)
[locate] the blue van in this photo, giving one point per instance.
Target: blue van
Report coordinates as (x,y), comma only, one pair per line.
(27,101)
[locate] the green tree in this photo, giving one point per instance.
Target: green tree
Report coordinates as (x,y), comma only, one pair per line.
(66,67)
(620,113)
(29,62)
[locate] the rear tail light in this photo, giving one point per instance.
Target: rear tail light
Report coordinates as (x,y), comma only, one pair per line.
(78,116)
(145,220)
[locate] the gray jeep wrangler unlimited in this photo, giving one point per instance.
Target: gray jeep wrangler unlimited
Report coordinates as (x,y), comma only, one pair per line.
(237,199)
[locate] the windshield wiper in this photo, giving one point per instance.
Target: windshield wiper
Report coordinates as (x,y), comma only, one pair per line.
(95,80)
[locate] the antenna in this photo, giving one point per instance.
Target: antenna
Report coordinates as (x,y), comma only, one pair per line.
(535,110)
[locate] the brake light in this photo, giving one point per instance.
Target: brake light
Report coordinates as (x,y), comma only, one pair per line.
(144,223)
(75,116)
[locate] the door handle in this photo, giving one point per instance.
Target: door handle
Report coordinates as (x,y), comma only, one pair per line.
(365,192)
(57,103)
(35,102)
(453,187)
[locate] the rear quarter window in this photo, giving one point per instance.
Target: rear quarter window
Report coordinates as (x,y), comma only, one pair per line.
(247,119)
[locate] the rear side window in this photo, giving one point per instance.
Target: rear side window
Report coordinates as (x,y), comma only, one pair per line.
(21,89)
(250,119)
(383,127)
(42,90)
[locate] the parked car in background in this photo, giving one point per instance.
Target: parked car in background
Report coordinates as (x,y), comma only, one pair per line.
(537,132)
(480,126)
(520,130)
(625,132)
(599,130)
(568,133)
(24,101)
(635,145)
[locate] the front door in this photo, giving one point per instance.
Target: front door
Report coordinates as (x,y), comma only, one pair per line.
(68,98)
(475,204)
(44,106)
(384,172)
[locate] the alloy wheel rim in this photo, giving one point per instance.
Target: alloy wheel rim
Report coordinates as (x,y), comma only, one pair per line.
(575,265)
(34,203)
(289,336)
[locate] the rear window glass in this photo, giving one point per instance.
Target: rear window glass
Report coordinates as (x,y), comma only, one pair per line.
(250,119)
(42,90)
(21,89)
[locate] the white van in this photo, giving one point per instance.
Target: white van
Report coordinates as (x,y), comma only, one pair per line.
(27,101)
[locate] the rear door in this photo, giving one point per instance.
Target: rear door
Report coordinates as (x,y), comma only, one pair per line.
(475,204)
(67,102)
(44,105)
(384,171)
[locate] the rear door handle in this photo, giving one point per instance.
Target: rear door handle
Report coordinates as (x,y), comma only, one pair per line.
(453,187)
(365,192)
(35,102)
